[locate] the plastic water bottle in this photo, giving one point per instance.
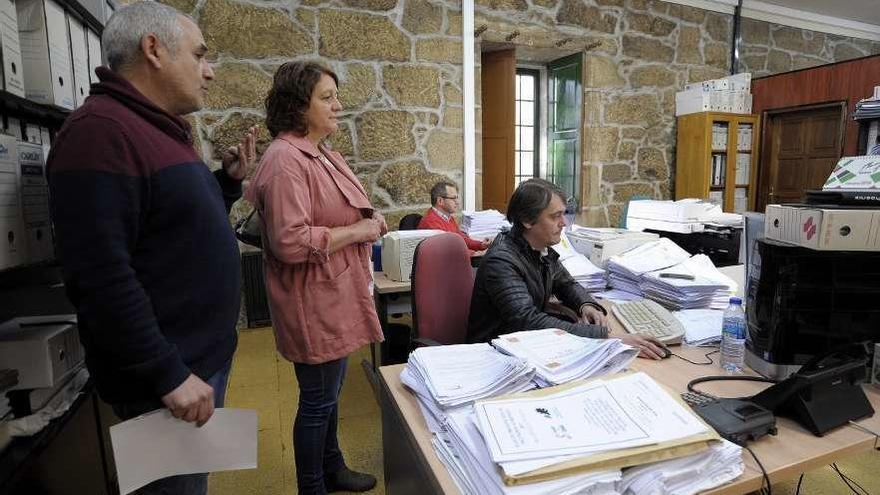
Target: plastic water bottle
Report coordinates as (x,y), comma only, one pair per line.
(733,337)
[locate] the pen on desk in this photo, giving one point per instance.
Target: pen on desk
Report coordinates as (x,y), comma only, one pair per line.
(683,276)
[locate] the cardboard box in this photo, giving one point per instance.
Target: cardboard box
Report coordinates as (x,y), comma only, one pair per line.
(824,229)
(45,52)
(79,55)
(12,239)
(10,50)
(95,59)
(855,173)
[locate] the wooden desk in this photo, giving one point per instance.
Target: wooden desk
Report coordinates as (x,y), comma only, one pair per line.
(391,297)
(412,466)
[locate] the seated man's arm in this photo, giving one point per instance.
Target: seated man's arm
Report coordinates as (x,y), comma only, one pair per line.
(510,295)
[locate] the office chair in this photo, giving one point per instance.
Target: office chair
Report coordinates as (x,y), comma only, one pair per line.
(442,284)
(409,222)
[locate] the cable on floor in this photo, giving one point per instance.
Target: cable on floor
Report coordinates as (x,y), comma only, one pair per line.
(766,479)
(849,481)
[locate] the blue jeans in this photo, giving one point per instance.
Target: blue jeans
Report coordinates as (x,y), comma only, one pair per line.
(315,447)
(186,484)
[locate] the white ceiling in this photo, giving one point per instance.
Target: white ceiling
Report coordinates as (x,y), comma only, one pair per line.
(867,11)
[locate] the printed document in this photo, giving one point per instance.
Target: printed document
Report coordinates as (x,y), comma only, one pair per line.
(599,416)
(158,445)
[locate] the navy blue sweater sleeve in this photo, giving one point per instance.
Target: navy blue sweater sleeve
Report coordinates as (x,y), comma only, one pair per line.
(98,209)
(230,187)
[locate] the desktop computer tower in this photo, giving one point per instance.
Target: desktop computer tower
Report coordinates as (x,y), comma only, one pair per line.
(802,302)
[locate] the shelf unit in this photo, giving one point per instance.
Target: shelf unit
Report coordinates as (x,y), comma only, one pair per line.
(717,159)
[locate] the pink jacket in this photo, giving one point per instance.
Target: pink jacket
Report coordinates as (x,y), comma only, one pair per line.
(320,303)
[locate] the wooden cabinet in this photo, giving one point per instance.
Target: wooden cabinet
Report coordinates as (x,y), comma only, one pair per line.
(717,159)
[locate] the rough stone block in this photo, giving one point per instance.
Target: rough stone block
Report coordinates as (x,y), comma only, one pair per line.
(574,12)
(600,143)
(803,62)
(357,85)
(789,38)
(624,192)
(651,75)
(617,172)
(697,74)
(353,35)
(249,32)
(229,133)
(778,61)
(649,24)
(626,150)
(638,109)
(237,85)
(452,95)
(412,85)
(185,6)
(372,4)
(341,140)
(503,4)
(687,13)
(652,164)
(688,51)
(408,183)
(642,48)
(445,149)
(754,31)
(846,51)
(601,72)
(453,118)
(719,26)
(383,135)
(717,55)
(439,50)
(422,17)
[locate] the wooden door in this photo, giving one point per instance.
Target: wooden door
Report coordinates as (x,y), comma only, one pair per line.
(565,90)
(802,150)
(497,81)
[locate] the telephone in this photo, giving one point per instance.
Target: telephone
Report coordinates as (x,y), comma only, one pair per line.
(825,393)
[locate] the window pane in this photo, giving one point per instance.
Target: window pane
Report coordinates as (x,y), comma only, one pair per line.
(516,132)
(527,138)
(517,117)
(528,88)
(516,162)
(527,113)
(518,84)
(527,164)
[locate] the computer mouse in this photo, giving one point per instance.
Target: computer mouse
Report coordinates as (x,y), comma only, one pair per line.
(665,352)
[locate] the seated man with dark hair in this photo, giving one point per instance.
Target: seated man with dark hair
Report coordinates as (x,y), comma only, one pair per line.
(444,201)
(520,272)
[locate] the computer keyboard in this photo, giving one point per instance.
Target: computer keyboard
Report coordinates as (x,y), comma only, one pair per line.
(646,317)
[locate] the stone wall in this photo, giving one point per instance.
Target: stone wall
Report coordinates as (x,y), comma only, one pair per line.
(399,64)
(637,54)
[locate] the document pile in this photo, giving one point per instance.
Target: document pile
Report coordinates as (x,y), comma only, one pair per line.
(702,327)
(449,376)
(560,357)
(581,269)
(626,269)
(603,423)
(463,451)
(693,283)
(719,464)
(483,224)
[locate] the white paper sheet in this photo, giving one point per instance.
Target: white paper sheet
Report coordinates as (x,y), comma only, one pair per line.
(157,445)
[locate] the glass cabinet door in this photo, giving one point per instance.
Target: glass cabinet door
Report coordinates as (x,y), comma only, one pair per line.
(718,162)
(744,151)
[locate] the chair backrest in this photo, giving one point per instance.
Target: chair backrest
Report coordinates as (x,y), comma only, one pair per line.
(442,284)
(409,222)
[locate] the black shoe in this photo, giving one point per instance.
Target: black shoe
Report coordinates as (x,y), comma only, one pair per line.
(346,480)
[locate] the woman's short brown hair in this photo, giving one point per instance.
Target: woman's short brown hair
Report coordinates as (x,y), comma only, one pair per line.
(291,94)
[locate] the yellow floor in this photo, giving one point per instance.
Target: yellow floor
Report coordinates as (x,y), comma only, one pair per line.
(262,380)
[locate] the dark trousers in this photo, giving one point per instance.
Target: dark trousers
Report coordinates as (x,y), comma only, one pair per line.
(186,484)
(315,447)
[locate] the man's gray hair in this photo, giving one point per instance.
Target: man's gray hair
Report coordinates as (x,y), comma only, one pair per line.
(127,27)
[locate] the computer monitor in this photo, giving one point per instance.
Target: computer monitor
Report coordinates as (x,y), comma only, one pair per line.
(753,228)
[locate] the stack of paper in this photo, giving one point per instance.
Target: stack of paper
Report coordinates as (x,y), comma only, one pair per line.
(449,376)
(462,449)
(693,283)
(702,327)
(560,357)
(588,275)
(600,424)
(625,270)
(719,464)
(483,224)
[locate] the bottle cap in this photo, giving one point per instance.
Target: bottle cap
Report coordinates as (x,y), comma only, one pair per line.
(736,300)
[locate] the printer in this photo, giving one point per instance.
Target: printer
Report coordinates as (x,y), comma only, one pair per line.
(800,302)
(600,244)
(398,249)
(44,349)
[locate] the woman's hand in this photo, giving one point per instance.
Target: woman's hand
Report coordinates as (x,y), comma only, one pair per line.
(593,316)
(369,229)
(383,225)
(648,347)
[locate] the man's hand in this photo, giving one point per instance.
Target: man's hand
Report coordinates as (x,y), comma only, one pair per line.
(383,225)
(593,316)
(239,159)
(485,244)
(648,347)
(192,401)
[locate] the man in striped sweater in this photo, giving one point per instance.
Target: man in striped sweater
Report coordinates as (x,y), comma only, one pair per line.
(148,255)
